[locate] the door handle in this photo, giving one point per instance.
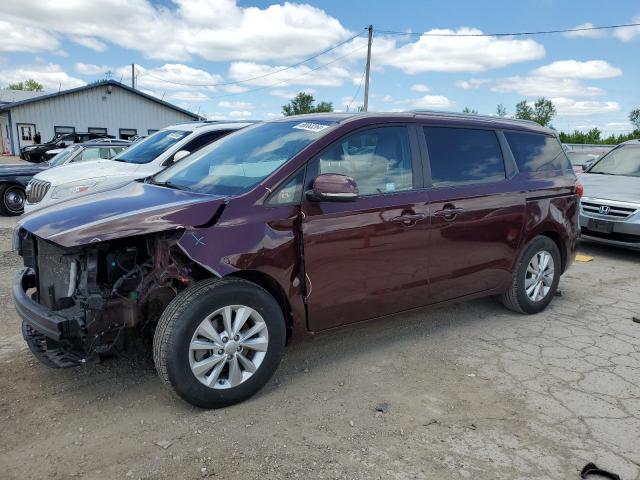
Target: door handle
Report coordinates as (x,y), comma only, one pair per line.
(409,218)
(449,212)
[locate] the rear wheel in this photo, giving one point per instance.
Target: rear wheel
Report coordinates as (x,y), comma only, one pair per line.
(536,277)
(219,342)
(12,198)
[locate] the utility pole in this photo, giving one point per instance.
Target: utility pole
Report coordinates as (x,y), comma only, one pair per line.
(133,75)
(366,78)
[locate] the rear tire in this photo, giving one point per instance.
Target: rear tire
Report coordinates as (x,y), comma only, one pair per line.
(536,277)
(12,198)
(204,349)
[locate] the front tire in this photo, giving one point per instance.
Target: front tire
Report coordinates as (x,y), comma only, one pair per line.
(536,277)
(219,342)
(12,198)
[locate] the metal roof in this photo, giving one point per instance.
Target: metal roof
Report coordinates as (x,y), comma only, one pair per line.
(90,86)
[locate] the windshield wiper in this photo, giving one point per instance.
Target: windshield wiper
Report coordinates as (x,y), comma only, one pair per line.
(167,184)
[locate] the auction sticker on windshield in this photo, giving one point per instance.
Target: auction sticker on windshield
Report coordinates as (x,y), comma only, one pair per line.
(311,127)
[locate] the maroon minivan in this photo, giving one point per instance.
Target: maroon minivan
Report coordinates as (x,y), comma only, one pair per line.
(292,227)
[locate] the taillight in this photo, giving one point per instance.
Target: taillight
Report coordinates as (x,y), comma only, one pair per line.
(579,188)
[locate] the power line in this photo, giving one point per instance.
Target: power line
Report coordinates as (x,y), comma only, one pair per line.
(358,89)
(513,34)
(222,84)
(291,78)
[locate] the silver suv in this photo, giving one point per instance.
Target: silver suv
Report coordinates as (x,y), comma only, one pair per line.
(610,207)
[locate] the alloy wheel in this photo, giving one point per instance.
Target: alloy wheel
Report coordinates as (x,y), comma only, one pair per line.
(539,276)
(14,198)
(228,346)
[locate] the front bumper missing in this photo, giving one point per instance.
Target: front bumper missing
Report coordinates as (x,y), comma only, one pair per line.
(51,324)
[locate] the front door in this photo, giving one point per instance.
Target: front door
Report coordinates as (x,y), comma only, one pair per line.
(26,131)
(476,210)
(367,258)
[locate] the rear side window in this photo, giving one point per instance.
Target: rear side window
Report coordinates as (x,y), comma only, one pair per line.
(463,155)
(535,152)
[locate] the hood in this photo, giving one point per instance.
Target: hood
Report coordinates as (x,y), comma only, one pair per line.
(611,187)
(72,172)
(16,169)
(135,209)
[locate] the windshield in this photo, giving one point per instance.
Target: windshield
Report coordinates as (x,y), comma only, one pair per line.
(63,156)
(621,161)
(578,159)
(240,161)
(152,147)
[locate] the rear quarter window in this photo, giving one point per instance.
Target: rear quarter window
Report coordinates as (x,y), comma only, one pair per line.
(459,156)
(535,152)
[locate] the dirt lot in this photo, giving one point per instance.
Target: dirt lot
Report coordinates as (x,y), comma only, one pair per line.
(474,391)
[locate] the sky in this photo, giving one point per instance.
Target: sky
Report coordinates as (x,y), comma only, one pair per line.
(230,59)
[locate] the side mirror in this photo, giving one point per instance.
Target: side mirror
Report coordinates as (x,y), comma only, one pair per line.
(180,155)
(332,187)
(63,145)
(586,165)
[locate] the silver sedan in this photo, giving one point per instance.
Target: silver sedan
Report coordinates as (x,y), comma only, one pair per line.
(610,207)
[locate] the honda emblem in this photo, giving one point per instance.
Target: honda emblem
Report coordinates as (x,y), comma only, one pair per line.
(604,209)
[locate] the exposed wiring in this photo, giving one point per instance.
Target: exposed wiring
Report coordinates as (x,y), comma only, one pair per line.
(358,89)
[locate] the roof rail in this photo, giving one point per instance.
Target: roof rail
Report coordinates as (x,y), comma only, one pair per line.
(439,113)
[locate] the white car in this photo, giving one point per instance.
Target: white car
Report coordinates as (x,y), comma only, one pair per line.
(139,161)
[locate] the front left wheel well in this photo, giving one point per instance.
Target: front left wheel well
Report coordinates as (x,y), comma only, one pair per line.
(273,287)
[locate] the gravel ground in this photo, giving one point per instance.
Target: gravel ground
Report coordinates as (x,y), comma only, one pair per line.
(474,391)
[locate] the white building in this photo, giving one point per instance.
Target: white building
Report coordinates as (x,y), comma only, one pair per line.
(104,107)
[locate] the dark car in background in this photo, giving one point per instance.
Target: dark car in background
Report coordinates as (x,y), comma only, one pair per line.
(15,178)
(293,227)
(610,208)
(35,153)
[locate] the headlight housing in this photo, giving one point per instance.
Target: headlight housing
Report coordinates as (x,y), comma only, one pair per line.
(75,188)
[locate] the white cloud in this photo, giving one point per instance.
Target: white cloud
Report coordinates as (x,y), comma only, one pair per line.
(236,105)
(90,69)
(217,30)
(234,88)
(547,87)
(171,76)
(89,42)
(289,94)
(626,34)
(570,107)
(187,96)
(387,99)
(591,69)
(50,75)
(273,115)
(24,38)
(472,83)
(461,54)
(431,101)
(585,33)
(240,114)
(215,116)
(420,87)
(331,76)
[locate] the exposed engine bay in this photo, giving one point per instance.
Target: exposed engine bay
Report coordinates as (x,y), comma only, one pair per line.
(103,289)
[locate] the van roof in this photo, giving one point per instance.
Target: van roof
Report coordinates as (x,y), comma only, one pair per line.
(450,117)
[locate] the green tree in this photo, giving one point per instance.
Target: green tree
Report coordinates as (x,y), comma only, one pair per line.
(304,103)
(543,111)
(469,110)
(501,111)
(634,117)
(30,85)
(524,111)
